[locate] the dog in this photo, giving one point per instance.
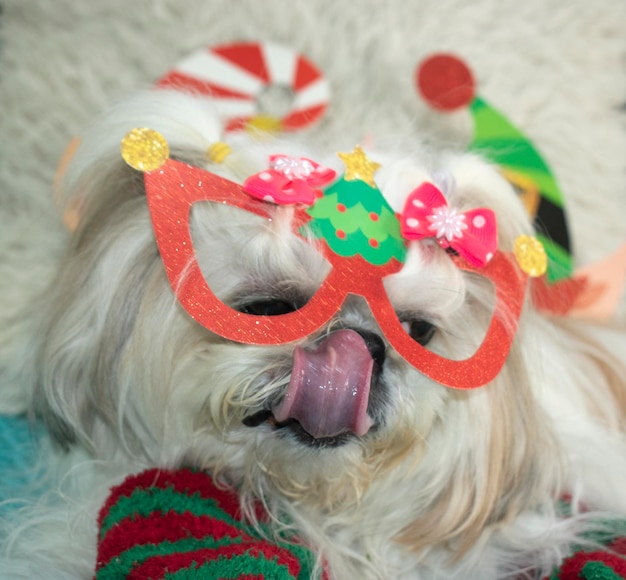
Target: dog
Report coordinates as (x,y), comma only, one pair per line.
(383,468)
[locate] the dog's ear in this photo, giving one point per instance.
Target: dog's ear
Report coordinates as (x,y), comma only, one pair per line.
(79,311)
(111,265)
(87,317)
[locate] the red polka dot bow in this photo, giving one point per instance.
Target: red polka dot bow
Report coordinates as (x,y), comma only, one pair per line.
(473,234)
(289,180)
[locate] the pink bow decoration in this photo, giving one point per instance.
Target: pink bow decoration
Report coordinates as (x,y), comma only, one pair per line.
(473,234)
(288,180)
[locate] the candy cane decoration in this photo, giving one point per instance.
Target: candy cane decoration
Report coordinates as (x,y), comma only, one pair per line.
(235,76)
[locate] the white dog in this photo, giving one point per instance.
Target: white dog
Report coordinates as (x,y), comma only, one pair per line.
(413,480)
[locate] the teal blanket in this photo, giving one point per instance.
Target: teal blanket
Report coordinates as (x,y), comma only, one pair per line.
(18,461)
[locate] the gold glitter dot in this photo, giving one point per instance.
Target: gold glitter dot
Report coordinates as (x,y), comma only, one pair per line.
(144,149)
(218,152)
(531,256)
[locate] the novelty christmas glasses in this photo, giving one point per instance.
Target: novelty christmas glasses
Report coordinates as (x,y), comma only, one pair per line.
(362,238)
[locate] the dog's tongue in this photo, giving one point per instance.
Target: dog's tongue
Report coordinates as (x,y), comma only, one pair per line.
(329,387)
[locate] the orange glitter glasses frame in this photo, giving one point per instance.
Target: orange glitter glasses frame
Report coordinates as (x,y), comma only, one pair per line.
(173,187)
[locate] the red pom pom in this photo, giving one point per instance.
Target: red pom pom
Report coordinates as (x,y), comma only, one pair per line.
(445,82)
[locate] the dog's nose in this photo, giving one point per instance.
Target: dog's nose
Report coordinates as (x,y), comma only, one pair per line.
(375,345)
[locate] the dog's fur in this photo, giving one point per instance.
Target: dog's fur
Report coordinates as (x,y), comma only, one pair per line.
(449,483)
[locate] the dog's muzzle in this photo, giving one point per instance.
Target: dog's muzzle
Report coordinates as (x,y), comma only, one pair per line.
(329,390)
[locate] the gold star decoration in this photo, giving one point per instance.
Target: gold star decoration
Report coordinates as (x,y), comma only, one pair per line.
(358,166)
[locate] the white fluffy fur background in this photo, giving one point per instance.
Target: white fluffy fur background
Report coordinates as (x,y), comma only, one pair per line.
(557,68)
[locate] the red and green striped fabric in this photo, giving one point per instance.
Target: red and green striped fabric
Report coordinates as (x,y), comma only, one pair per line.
(178,525)
(591,566)
(601,557)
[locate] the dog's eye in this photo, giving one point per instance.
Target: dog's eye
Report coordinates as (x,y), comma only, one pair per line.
(420,331)
(268,307)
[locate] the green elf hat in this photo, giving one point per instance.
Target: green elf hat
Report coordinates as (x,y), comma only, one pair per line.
(447,84)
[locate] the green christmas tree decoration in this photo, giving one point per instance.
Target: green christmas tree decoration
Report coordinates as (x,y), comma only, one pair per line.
(354,219)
